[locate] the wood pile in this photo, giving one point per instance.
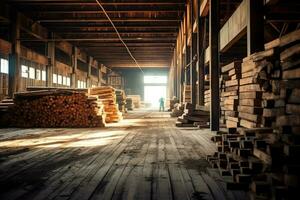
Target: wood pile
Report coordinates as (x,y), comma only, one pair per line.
(121,100)
(136,99)
(5,106)
(263,156)
(129,103)
(108,97)
(56,108)
(207,98)
(172,103)
(177,110)
(187,94)
(231,75)
(192,117)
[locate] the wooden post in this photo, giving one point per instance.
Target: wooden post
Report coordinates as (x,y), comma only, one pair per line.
(14,75)
(193,49)
(255,26)
(51,61)
(74,67)
(201,52)
(214,24)
(89,74)
(100,75)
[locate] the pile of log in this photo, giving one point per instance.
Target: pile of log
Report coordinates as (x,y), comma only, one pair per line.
(193,117)
(177,110)
(129,103)
(231,75)
(121,100)
(187,94)
(136,99)
(107,95)
(55,108)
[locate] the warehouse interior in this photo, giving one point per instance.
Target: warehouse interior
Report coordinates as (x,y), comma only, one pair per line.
(149,99)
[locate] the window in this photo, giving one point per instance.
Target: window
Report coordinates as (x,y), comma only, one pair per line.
(83,84)
(44,75)
(64,80)
(4,66)
(54,78)
(31,73)
(68,81)
(78,84)
(59,79)
(38,74)
(24,71)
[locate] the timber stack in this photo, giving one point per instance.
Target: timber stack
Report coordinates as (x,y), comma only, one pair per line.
(129,103)
(121,100)
(187,94)
(231,75)
(207,98)
(107,95)
(56,108)
(136,99)
(193,117)
(263,156)
(177,110)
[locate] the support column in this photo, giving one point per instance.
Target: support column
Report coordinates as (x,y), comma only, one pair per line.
(193,57)
(14,71)
(51,61)
(74,67)
(99,75)
(214,28)
(89,74)
(255,26)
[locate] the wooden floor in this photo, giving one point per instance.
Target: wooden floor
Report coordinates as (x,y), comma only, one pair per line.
(143,157)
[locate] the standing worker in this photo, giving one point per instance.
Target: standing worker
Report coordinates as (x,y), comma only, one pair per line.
(161,104)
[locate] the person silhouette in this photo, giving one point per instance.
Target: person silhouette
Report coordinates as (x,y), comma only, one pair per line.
(161,104)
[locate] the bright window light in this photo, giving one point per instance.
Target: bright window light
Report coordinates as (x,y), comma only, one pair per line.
(44,75)
(31,73)
(155,79)
(59,79)
(54,78)
(152,94)
(38,74)
(24,69)
(4,66)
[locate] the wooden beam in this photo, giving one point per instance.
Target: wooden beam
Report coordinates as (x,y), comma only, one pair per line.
(51,62)
(214,23)
(201,48)
(74,67)
(193,57)
(255,26)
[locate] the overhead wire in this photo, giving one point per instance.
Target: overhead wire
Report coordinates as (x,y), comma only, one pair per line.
(113,25)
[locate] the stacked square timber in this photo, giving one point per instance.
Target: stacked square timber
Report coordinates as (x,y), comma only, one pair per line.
(136,99)
(108,97)
(207,98)
(187,94)
(230,93)
(129,103)
(224,77)
(177,110)
(193,117)
(56,108)
(121,100)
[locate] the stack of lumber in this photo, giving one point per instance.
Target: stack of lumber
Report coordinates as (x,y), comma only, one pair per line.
(177,110)
(5,106)
(231,74)
(121,100)
(136,99)
(245,157)
(187,94)
(129,103)
(107,95)
(207,98)
(192,117)
(56,108)
(172,103)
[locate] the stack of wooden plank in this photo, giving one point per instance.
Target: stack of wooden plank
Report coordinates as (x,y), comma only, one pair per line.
(230,93)
(244,157)
(107,95)
(187,94)
(121,100)
(129,103)
(207,98)
(56,108)
(5,106)
(192,117)
(177,110)
(136,99)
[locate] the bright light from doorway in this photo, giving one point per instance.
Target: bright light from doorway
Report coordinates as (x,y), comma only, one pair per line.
(155,87)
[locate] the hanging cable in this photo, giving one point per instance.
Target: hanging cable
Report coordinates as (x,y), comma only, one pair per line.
(113,25)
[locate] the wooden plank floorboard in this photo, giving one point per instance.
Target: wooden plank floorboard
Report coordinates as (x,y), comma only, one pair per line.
(143,157)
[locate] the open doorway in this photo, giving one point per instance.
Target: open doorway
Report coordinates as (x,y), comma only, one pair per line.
(155,87)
